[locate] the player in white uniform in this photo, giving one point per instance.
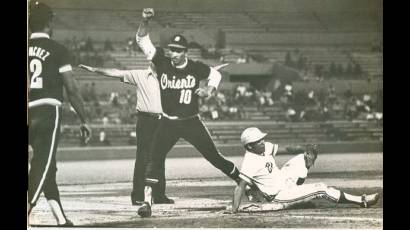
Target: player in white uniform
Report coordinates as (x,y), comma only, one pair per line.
(283,188)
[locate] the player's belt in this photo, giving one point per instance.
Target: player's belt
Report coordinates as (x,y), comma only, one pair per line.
(176,118)
(152,115)
(44,101)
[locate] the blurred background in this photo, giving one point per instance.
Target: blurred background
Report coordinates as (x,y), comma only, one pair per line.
(303,71)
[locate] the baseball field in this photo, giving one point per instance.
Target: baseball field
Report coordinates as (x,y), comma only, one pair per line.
(96,193)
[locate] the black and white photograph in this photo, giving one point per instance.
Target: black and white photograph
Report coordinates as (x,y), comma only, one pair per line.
(205,114)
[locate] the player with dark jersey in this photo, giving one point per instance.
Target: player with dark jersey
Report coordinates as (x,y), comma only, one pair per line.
(49,72)
(179,79)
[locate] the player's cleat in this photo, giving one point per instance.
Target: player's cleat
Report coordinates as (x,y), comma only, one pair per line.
(163,200)
(137,202)
(369,200)
(145,210)
(68,223)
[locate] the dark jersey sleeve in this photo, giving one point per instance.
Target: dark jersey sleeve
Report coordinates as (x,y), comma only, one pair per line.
(63,56)
(201,70)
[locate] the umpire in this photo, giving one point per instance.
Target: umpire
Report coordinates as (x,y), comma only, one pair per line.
(149,112)
(50,71)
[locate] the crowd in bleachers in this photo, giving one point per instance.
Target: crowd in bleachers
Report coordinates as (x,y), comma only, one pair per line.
(295,106)
(350,70)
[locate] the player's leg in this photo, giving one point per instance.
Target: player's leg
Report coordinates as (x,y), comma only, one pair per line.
(165,138)
(46,124)
(198,135)
(307,192)
(52,195)
(145,130)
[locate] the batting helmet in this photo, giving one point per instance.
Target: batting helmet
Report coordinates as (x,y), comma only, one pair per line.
(252,134)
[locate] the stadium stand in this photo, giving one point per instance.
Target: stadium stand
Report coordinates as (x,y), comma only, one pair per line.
(325,32)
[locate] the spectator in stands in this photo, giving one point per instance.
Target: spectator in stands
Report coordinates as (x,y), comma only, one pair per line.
(114,99)
(108,45)
(242,59)
(85,92)
(240,91)
(331,94)
(103,138)
(339,70)
(82,45)
(319,72)
(349,69)
(89,45)
(105,120)
(261,101)
(357,70)
(268,97)
(288,60)
(332,69)
(93,94)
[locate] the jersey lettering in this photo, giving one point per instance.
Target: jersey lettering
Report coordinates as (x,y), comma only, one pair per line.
(186,95)
(184,83)
(269,166)
(36,68)
(38,52)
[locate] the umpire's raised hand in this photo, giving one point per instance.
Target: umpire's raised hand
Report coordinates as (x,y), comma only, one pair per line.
(147,13)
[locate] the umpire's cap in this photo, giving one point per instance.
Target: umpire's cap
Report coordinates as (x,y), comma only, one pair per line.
(40,14)
(251,135)
(178,41)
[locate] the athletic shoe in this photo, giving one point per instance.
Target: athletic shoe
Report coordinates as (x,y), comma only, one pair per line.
(163,200)
(145,210)
(137,202)
(369,200)
(68,223)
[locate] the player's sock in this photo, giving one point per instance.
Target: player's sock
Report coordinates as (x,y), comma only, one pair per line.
(57,211)
(235,175)
(349,199)
(148,194)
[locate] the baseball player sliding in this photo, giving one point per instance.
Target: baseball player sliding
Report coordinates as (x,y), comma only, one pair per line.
(283,188)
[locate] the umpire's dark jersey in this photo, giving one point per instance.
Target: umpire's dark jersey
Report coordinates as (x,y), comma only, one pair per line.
(47,60)
(179,101)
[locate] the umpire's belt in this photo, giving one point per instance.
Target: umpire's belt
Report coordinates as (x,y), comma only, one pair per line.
(176,118)
(152,115)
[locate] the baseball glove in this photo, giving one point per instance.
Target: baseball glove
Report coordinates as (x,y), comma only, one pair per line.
(312,148)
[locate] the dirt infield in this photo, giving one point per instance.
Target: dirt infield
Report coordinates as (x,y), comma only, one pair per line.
(97,194)
(199,204)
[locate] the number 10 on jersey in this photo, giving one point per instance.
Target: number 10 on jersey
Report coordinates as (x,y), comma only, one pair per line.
(185,97)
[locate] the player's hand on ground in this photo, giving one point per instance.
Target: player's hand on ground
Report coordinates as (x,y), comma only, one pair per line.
(228,210)
(85,132)
(88,68)
(148,13)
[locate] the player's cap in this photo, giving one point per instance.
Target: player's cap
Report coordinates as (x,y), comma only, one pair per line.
(252,134)
(178,41)
(40,12)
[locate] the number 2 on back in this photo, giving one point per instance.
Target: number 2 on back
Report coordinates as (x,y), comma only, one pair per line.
(36,68)
(185,96)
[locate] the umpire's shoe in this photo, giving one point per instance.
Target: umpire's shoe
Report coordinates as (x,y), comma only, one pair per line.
(163,200)
(145,210)
(68,223)
(137,202)
(369,200)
